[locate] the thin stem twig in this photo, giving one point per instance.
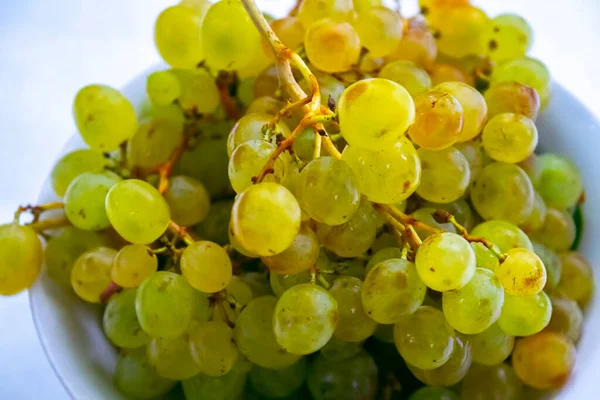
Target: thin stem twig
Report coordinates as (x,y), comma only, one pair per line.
(37,210)
(164,170)
(50,223)
(181,232)
(407,219)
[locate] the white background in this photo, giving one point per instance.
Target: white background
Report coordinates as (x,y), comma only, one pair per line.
(51,48)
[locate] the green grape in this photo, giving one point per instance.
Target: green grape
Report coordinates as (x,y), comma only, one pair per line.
(215,226)
(240,290)
(384,254)
(237,246)
(461,31)
(567,318)
(162,88)
(84,200)
(188,200)
(305,318)
(258,282)
(206,266)
(213,348)
(558,231)
(445,261)
(199,93)
(532,166)
(177,36)
(247,161)
(329,87)
(522,273)
(498,382)
(227,387)
(132,265)
(405,73)
(560,183)
(374,114)
(441,73)
(228,36)
(525,315)
(351,379)
(446,175)
(452,371)
(332,46)
(22,258)
(327,191)
(63,248)
(289,30)
(537,217)
(164,304)
(424,339)
(73,164)
(90,274)
(279,383)
(509,138)
(504,192)
(384,333)
(385,239)
(433,393)
(201,307)
(104,117)
(120,321)
(172,358)
(314,10)
(544,361)
(264,105)
(417,45)
(352,238)
(245,91)
(512,97)
(438,120)
(338,350)
(526,71)
(391,290)
(254,335)
(425,215)
(474,155)
(353,325)
(492,346)
(266,219)
(155,141)
(279,283)
(349,267)
(379,30)
(577,278)
(268,84)
(511,38)
(250,127)
(504,235)
(386,176)
(477,305)
(300,256)
(137,211)
(552,263)
(484,258)
(460,209)
(304,144)
(135,376)
(473,105)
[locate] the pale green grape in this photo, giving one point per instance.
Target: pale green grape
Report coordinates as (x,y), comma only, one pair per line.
(120,321)
(560,183)
(425,215)
(417,45)
(452,371)
(172,358)
(484,258)
(104,117)
(300,256)
(577,278)
(155,141)
(247,161)
(552,263)
(135,377)
(504,235)
(445,261)
(379,30)
(352,238)
(353,324)
(527,71)
(279,383)
(473,105)
(533,168)
(206,266)
(22,257)
(492,346)
(477,305)
(305,318)
(407,74)
(73,164)
(438,120)
(266,219)
(433,393)
(424,338)
(199,93)
(228,36)
(558,231)
(511,37)
(314,10)
(90,274)
(567,318)
(214,227)
(525,315)
(510,138)
(264,105)
(351,379)
(374,114)
(504,192)
(332,46)
(279,283)
(213,348)
(250,127)
(188,200)
(254,335)
(63,248)
(497,382)
(137,211)
(387,253)
(512,97)
(327,191)
(338,350)
(446,175)
(162,87)
(132,265)
(461,31)
(386,176)
(164,304)
(522,273)
(245,91)
(227,387)
(177,35)
(84,200)
(304,144)
(391,290)
(474,154)
(537,217)
(240,290)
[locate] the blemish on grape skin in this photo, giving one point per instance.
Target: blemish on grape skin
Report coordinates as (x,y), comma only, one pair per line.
(355,92)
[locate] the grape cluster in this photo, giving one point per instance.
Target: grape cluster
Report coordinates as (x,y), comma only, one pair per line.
(339,204)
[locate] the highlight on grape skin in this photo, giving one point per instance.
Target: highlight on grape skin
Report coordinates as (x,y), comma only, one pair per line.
(297,203)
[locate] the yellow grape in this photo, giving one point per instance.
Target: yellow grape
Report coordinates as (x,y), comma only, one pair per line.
(446,175)
(567,318)
(438,120)
(522,273)
(73,164)
(137,378)
(199,93)
(407,74)
(90,275)
(473,105)
(380,30)
(558,231)
(509,138)
(155,141)
(132,265)
(120,322)
(206,266)
(536,219)
(512,97)
(511,37)
(441,73)
(162,88)
(314,10)
(417,45)
(474,155)
(332,46)
(22,258)
(289,30)
(498,382)
(188,200)
(300,256)
(577,278)
(527,71)
(172,358)
(353,324)
(250,127)
(492,346)
(213,348)
(502,234)
(525,315)
(247,161)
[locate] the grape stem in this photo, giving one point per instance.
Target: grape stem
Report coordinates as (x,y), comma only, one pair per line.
(181,232)
(164,170)
(223,84)
(406,219)
(407,231)
(37,210)
(317,145)
(287,111)
(111,289)
(50,223)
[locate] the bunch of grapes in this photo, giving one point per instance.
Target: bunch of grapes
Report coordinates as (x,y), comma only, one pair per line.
(344,203)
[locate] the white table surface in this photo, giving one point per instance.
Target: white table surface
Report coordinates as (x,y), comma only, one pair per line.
(49,49)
